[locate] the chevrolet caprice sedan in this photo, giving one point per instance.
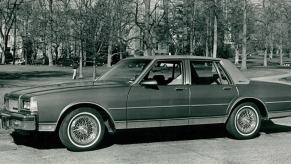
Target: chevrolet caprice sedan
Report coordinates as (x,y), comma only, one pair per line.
(148,92)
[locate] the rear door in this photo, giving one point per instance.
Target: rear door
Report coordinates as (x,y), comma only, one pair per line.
(211,91)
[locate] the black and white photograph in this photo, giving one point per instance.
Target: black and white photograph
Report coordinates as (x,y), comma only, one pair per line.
(145,81)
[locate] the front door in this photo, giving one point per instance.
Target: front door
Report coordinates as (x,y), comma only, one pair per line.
(211,92)
(164,104)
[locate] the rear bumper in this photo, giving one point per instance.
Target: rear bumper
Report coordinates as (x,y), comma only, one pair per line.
(10,120)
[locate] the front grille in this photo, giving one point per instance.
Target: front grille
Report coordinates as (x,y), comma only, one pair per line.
(12,105)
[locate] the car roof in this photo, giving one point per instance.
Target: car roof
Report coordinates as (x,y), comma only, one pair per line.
(163,57)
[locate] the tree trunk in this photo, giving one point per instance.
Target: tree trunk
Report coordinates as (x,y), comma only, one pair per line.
(265,56)
(3,58)
(281,40)
(57,53)
(192,30)
(265,63)
(206,49)
(14,35)
(94,67)
(215,38)
(244,44)
(236,57)
(271,49)
(166,26)
(81,61)
(207,38)
(109,53)
(3,54)
(192,40)
(281,51)
(5,49)
(147,41)
(50,54)
(110,42)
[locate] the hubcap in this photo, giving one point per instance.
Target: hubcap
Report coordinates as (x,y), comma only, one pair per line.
(84,129)
(246,120)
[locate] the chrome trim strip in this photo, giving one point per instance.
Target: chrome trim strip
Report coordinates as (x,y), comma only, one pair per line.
(166,106)
(209,105)
(280,111)
(116,108)
(207,120)
(47,127)
(166,119)
(274,102)
(157,123)
(120,124)
(176,122)
(171,106)
(143,124)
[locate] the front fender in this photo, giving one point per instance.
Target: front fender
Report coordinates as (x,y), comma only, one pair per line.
(53,106)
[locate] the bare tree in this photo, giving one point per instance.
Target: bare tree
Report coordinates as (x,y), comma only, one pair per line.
(7,11)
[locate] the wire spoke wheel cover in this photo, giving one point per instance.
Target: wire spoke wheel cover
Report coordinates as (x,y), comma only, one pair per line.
(84,129)
(246,120)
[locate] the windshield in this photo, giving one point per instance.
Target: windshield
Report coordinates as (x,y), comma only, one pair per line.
(126,70)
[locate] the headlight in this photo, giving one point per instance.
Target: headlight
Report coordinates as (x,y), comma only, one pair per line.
(33,104)
(26,105)
(30,105)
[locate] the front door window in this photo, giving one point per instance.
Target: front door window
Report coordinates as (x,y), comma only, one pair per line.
(166,73)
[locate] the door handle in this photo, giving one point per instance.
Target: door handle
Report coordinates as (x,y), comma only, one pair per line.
(226,88)
(180,89)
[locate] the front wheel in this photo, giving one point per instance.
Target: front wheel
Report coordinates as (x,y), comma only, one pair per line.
(82,129)
(244,122)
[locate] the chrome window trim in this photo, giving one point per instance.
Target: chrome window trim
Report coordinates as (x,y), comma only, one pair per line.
(151,65)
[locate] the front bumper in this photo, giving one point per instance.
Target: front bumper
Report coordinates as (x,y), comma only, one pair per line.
(10,120)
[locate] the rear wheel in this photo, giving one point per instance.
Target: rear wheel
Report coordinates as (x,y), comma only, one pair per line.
(244,122)
(82,129)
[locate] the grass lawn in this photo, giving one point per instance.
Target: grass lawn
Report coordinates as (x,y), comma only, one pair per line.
(20,75)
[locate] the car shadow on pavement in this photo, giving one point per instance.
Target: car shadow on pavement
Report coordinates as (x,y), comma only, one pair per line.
(164,134)
(270,127)
(147,135)
(39,140)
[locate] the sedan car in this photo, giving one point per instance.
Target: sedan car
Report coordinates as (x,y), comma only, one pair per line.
(146,92)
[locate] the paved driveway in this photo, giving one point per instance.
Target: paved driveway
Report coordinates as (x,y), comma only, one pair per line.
(195,144)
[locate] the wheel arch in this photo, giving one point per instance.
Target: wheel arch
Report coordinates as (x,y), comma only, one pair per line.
(259,103)
(108,120)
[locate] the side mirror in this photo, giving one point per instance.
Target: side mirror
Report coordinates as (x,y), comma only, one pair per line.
(149,83)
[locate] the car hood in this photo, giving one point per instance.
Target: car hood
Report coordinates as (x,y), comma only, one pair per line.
(62,86)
